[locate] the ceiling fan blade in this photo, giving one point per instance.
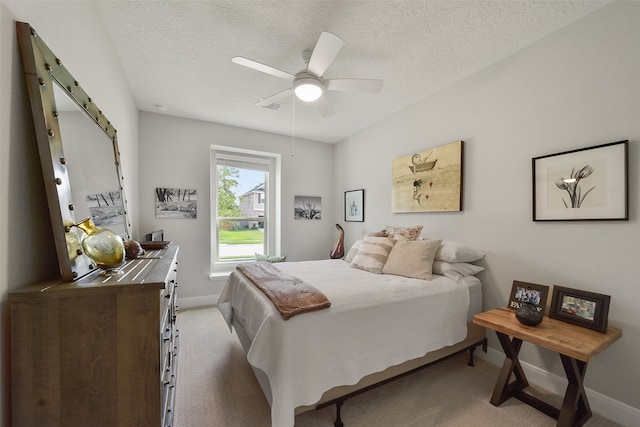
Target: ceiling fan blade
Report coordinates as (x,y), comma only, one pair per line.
(324,53)
(324,106)
(354,85)
(274,98)
(262,67)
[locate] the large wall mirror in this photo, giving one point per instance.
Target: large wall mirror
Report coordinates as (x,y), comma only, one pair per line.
(78,149)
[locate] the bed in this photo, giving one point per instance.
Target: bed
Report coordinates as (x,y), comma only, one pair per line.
(377,327)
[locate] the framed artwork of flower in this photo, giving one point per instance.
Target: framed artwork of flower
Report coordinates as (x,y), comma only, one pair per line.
(586,184)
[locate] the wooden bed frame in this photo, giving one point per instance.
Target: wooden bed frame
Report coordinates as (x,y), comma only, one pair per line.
(338,395)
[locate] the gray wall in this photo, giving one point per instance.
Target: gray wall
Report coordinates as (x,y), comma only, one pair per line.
(576,88)
(175,153)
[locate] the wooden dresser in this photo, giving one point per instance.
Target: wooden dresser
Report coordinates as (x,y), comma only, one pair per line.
(100,351)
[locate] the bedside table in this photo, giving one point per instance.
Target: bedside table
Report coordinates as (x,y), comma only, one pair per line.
(575,345)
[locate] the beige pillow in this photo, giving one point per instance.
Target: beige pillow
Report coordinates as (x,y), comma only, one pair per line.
(412,258)
(353,251)
(372,254)
(411,233)
(380,233)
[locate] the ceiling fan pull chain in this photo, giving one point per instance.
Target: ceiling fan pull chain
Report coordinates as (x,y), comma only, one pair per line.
(293,128)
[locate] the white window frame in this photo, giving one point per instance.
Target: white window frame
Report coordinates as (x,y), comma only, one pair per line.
(272,220)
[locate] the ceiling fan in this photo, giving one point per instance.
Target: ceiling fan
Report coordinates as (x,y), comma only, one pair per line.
(308,84)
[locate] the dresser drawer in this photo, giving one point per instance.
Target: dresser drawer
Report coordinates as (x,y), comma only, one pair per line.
(167,295)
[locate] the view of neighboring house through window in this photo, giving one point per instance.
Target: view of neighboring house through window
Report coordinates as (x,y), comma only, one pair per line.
(242,223)
(240,213)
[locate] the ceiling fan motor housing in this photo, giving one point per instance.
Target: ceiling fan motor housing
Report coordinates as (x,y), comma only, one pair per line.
(307,86)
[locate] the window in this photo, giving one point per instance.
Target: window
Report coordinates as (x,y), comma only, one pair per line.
(245,217)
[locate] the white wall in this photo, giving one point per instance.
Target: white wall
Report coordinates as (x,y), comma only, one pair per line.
(175,153)
(73,32)
(577,88)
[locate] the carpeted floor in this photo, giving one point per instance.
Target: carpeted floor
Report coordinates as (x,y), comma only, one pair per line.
(216,387)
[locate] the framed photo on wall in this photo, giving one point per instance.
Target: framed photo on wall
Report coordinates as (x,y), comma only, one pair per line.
(180,203)
(354,206)
(587,184)
(307,207)
(528,293)
(581,308)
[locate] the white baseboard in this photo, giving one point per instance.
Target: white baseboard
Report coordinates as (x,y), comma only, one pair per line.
(610,408)
(202,301)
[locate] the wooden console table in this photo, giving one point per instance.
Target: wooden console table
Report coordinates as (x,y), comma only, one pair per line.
(575,345)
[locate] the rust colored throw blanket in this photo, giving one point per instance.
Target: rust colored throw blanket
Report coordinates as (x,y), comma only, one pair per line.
(289,294)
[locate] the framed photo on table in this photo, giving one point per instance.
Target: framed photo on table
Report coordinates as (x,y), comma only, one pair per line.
(581,308)
(354,206)
(586,184)
(528,293)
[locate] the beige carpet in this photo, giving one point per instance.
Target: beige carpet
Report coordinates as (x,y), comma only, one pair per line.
(216,387)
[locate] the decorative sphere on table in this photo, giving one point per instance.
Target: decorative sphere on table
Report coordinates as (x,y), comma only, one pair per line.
(528,314)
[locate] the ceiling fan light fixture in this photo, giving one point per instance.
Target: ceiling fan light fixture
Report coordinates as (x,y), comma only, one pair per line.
(308,89)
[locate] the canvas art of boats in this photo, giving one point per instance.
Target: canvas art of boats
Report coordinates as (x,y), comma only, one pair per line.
(420,165)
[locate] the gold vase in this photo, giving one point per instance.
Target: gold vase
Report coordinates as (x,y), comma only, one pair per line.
(103,246)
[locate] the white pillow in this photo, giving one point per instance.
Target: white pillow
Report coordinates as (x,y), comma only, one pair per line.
(412,258)
(372,254)
(455,270)
(458,252)
(353,251)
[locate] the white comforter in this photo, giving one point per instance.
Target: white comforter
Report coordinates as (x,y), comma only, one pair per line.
(375,321)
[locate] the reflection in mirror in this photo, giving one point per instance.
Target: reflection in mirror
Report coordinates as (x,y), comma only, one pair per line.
(78,152)
(92,173)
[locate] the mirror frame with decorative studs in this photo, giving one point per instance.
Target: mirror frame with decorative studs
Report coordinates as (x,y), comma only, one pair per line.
(42,71)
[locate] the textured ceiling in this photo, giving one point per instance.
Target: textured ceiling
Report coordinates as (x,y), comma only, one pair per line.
(178,53)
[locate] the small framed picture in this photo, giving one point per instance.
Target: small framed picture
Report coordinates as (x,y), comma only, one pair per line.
(307,207)
(528,293)
(581,308)
(354,206)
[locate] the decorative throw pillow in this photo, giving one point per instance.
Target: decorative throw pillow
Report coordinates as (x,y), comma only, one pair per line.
(380,233)
(270,258)
(372,254)
(458,252)
(456,270)
(353,251)
(411,233)
(412,258)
